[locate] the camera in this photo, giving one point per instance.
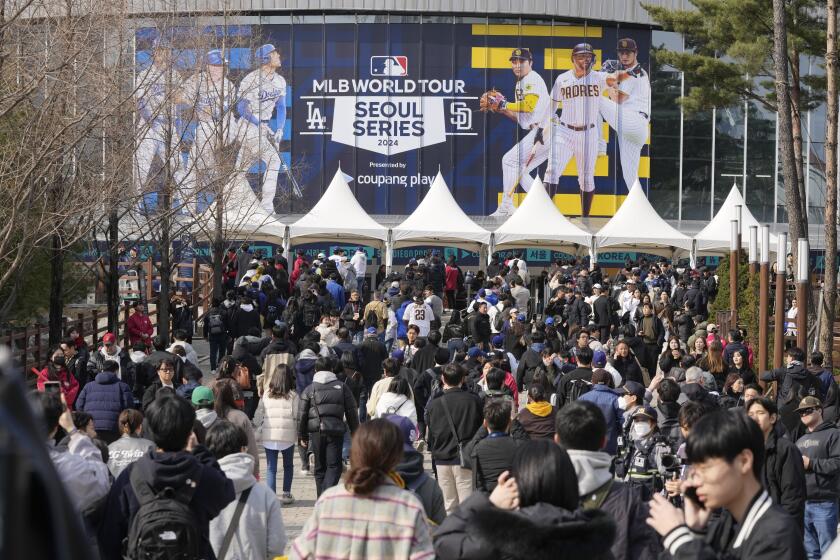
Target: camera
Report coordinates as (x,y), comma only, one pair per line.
(670,462)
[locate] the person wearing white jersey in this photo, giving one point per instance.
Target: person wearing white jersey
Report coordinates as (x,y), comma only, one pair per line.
(627,110)
(576,132)
(156,91)
(210,96)
(528,111)
(421,314)
(261,93)
(359,262)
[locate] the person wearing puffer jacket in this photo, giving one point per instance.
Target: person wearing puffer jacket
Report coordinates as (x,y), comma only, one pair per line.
(104,400)
(259,532)
(275,425)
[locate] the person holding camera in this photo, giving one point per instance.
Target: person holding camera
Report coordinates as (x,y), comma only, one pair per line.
(640,462)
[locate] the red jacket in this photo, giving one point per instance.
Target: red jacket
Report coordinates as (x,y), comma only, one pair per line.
(451,278)
(138,325)
(69,385)
(297,268)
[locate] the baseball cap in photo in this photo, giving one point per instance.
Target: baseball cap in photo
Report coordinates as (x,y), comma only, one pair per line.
(711,327)
(599,359)
(808,402)
(635,388)
(521,54)
(322,256)
(371,330)
(597,287)
(626,44)
(397,354)
(407,429)
(202,396)
(109,338)
(498,341)
(549,320)
(395,284)
(521,318)
(475,352)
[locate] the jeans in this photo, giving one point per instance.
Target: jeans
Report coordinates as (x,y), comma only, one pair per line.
(345,446)
(288,468)
(327,450)
(363,399)
(217,350)
(820,527)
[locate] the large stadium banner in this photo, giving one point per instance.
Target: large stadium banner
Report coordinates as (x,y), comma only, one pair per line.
(391,104)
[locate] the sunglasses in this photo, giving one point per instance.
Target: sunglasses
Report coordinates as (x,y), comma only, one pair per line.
(807,411)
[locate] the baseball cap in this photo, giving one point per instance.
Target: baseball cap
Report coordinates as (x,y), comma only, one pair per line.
(645,411)
(597,286)
(109,338)
(397,354)
(407,429)
(475,352)
(635,388)
(626,44)
(521,318)
(711,327)
(202,396)
(549,320)
(498,341)
(263,52)
(482,292)
(322,256)
(215,58)
(395,284)
(370,330)
(521,54)
(599,359)
(809,402)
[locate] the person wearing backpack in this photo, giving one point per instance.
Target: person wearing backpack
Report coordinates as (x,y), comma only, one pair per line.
(215,332)
(605,398)
(324,404)
(577,382)
(173,490)
(795,383)
(251,527)
(376,315)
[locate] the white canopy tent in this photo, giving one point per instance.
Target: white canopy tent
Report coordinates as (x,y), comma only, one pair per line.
(243,219)
(715,238)
(338,217)
(637,226)
(438,220)
(538,223)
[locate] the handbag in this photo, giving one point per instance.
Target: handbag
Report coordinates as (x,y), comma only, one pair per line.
(463,459)
(329,426)
(645,373)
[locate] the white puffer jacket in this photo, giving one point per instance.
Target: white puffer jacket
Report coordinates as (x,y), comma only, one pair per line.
(275,418)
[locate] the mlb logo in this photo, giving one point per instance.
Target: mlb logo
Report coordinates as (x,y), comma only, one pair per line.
(389,66)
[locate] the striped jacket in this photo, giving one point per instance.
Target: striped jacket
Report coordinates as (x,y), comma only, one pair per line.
(389,523)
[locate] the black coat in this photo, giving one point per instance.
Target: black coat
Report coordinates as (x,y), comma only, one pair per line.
(480,328)
(628,368)
(372,353)
(332,398)
(685,326)
(795,383)
(783,475)
(603,312)
(479,530)
(578,312)
(467,415)
(424,358)
(634,539)
(241,321)
(491,457)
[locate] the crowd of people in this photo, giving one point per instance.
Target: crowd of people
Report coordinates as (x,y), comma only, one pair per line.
(611,420)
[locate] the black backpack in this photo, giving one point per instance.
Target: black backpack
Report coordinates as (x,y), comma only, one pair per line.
(164,528)
(577,387)
(310,314)
(215,323)
(371,320)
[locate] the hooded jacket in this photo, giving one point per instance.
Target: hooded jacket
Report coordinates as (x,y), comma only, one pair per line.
(624,504)
(795,383)
(479,530)
(104,399)
(127,372)
(326,396)
(207,416)
(260,532)
(422,485)
(169,469)
(822,447)
(538,420)
(242,318)
(125,451)
(81,470)
(607,400)
(304,370)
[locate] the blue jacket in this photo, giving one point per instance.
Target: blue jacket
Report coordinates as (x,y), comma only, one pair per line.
(185,391)
(337,293)
(607,400)
(304,372)
(402,326)
(104,399)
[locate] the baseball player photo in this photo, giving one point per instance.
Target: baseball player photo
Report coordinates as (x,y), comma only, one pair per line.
(156,91)
(577,130)
(210,96)
(261,93)
(528,111)
(627,109)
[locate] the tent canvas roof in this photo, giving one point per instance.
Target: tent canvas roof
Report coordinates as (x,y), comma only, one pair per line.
(337,216)
(538,222)
(244,218)
(637,225)
(439,220)
(715,237)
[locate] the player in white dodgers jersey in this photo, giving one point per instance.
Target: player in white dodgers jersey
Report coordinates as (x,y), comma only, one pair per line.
(577,130)
(528,111)
(156,91)
(627,110)
(261,93)
(210,95)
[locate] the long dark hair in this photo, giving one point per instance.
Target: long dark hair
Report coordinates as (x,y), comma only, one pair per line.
(225,399)
(227,367)
(377,448)
(282,382)
(544,473)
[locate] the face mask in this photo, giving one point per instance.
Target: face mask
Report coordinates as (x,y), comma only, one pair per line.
(641,429)
(60,361)
(622,403)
